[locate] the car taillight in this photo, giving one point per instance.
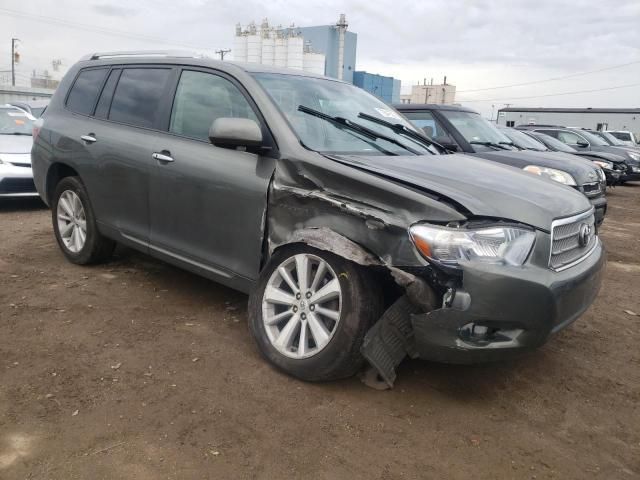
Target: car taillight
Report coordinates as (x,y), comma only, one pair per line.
(36,129)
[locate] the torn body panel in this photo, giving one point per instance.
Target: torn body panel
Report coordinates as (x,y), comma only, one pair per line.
(478,312)
(368,211)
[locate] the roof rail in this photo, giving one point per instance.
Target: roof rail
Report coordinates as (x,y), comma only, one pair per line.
(140,53)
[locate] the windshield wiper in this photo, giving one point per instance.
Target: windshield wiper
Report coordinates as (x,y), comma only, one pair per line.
(402,130)
(499,146)
(341,122)
(16,133)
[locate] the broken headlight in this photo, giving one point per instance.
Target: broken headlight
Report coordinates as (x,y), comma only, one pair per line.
(602,164)
(450,246)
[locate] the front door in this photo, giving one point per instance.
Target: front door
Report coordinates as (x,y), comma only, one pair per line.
(208,203)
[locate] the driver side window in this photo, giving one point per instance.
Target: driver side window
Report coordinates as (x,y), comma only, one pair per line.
(203,97)
(569,138)
(429,125)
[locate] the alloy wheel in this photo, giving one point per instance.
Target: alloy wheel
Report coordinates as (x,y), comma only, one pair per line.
(72,221)
(301,306)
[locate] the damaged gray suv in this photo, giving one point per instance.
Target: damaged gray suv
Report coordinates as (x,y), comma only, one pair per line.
(353,237)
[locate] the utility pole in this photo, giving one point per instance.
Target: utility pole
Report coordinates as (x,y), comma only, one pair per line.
(13,61)
(222,53)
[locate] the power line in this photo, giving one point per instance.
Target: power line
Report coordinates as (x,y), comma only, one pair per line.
(552,79)
(551,94)
(92,28)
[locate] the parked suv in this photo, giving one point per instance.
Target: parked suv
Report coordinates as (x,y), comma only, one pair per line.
(353,237)
(613,165)
(585,141)
(464,130)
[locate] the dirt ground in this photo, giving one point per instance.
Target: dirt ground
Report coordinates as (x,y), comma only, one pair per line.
(138,370)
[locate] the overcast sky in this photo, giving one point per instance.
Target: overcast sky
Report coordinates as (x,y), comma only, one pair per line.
(477,44)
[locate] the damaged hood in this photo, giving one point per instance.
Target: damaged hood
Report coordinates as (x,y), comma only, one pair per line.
(483,187)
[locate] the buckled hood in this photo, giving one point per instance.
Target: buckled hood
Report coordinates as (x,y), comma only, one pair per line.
(483,187)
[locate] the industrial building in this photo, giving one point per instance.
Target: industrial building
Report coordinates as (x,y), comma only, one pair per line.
(444,93)
(385,88)
(595,118)
(326,50)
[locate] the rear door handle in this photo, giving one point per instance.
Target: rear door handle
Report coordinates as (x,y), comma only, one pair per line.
(162,157)
(89,138)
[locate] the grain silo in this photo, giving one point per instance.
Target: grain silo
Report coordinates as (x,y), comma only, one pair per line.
(254,44)
(295,44)
(240,45)
(280,53)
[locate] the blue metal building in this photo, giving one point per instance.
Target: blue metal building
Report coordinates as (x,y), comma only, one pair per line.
(325,39)
(385,88)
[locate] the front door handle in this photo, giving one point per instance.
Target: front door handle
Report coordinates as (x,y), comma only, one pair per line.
(162,157)
(89,138)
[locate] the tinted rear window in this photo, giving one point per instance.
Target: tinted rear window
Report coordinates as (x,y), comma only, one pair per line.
(138,96)
(102,109)
(83,94)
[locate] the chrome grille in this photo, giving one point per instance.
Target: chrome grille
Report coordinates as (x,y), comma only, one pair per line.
(592,189)
(568,245)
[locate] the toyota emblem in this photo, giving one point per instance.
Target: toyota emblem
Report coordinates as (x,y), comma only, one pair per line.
(584,236)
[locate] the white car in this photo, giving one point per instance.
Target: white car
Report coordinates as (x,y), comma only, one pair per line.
(626,137)
(16,177)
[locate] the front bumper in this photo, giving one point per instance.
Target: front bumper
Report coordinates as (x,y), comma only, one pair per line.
(600,205)
(499,312)
(632,173)
(16,181)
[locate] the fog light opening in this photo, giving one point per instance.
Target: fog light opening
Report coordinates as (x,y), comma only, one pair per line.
(480,334)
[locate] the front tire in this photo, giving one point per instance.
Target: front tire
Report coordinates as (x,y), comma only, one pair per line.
(74,224)
(310,311)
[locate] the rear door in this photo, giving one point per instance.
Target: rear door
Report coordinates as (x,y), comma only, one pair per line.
(120,139)
(208,203)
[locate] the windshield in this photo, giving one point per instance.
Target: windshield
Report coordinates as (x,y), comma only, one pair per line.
(554,144)
(476,130)
(522,140)
(610,138)
(337,99)
(594,139)
(15,122)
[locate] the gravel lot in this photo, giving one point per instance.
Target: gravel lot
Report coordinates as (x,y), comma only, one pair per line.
(135,369)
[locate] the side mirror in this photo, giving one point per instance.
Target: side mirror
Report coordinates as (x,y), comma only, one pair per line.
(582,144)
(235,132)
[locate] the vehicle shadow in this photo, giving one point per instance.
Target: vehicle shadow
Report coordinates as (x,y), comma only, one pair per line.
(467,382)
(462,383)
(21,204)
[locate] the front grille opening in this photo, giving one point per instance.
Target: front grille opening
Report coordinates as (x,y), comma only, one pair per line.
(592,189)
(569,241)
(17,185)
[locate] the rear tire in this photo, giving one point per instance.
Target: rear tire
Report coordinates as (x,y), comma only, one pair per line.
(74,224)
(358,302)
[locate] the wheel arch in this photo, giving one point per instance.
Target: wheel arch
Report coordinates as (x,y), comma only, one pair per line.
(56,172)
(329,240)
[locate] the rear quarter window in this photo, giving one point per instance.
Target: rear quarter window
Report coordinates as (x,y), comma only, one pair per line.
(84,92)
(138,96)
